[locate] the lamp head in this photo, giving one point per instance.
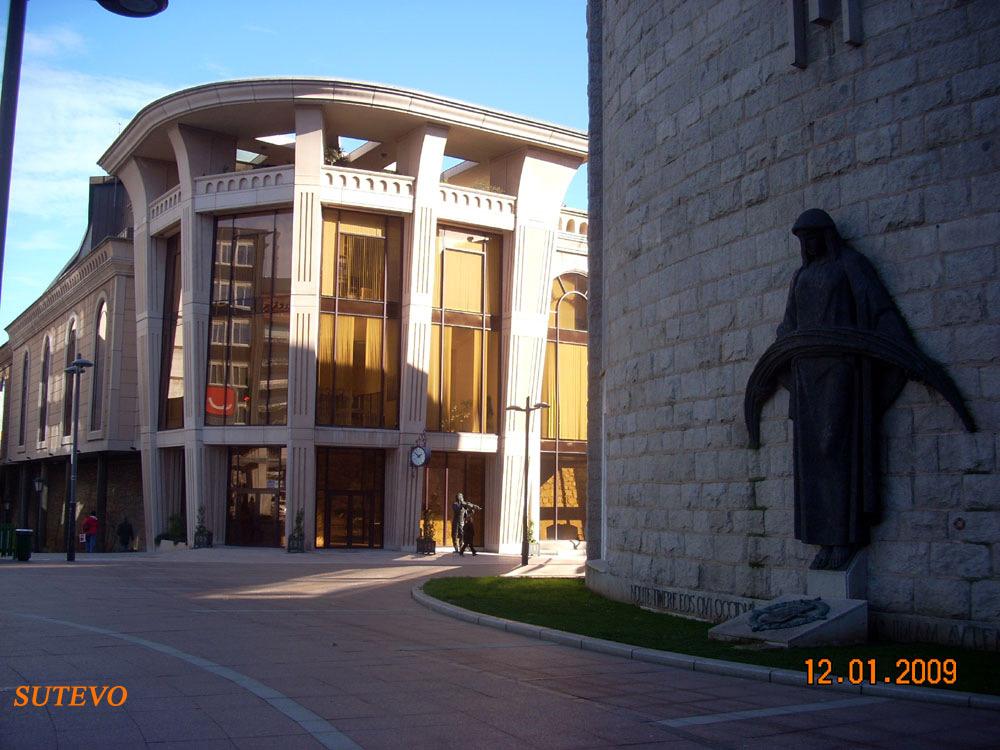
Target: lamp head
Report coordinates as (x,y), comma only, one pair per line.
(78,365)
(134,8)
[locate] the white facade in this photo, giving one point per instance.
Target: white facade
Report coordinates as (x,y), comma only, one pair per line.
(178,160)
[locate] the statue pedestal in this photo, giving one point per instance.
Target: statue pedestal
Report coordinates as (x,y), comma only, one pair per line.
(845,623)
(850,583)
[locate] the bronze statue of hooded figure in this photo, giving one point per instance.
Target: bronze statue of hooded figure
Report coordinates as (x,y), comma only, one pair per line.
(844,353)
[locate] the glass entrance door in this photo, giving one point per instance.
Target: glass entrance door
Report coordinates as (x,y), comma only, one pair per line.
(349,497)
(351,520)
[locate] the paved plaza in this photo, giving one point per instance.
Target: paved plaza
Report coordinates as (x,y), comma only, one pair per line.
(253,648)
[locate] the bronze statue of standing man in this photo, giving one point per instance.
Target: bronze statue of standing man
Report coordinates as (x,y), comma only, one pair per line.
(844,353)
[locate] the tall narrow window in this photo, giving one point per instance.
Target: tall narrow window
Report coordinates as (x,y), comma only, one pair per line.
(463,386)
(68,380)
(248,345)
(564,424)
(172,348)
(358,358)
(23,417)
(43,391)
(97,377)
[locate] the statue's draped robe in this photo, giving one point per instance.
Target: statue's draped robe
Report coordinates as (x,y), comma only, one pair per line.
(836,403)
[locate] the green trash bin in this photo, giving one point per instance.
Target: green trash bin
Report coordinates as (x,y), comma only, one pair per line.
(22,544)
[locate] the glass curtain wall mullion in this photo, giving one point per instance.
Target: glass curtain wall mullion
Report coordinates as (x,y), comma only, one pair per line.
(464,382)
(357,362)
(171,411)
(564,428)
(338,239)
(385,320)
(270,313)
(251,268)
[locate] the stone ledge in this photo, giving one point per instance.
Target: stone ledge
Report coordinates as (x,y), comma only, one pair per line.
(701,664)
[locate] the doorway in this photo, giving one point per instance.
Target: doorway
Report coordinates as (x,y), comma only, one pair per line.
(349,498)
(255,515)
(256,519)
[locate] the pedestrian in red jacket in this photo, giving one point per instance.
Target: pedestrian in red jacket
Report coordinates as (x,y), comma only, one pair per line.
(89,529)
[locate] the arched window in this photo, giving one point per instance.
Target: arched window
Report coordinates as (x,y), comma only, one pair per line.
(97,378)
(22,425)
(43,390)
(564,424)
(69,379)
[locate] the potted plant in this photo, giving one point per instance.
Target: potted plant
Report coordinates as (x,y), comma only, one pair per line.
(202,536)
(175,533)
(534,548)
(425,540)
(297,539)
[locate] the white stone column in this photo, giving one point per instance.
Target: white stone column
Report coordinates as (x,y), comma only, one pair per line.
(421,155)
(146,179)
(539,180)
(198,152)
(307,249)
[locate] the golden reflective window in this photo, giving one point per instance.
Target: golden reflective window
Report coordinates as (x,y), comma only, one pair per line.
(358,353)
(464,377)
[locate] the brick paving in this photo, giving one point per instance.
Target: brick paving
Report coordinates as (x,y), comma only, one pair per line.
(340,656)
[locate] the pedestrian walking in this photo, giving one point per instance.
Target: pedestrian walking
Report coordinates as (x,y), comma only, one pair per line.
(89,529)
(125,534)
(468,534)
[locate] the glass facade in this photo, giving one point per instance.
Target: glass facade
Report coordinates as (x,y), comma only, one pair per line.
(464,380)
(248,341)
(255,514)
(358,353)
(97,378)
(172,360)
(350,497)
(564,425)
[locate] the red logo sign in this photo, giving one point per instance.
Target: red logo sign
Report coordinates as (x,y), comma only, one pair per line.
(220,400)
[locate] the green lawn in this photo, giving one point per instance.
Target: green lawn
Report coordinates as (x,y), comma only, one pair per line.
(566,604)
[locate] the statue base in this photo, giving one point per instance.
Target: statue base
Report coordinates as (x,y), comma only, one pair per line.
(844,623)
(850,583)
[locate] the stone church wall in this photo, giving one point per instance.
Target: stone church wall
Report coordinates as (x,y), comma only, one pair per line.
(711,144)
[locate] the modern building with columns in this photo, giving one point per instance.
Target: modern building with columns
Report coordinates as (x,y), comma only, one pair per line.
(307,313)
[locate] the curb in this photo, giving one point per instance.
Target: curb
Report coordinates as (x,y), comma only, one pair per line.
(701,664)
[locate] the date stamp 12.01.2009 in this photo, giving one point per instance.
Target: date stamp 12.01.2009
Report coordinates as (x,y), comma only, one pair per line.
(871,672)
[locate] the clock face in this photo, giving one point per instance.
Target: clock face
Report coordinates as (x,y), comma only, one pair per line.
(418,456)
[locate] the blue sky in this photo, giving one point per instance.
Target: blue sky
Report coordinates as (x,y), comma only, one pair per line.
(86,72)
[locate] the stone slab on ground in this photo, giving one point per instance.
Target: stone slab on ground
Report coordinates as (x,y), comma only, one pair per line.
(846,623)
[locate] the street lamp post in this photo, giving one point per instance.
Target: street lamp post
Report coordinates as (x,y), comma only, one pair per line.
(76,370)
(527,409)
